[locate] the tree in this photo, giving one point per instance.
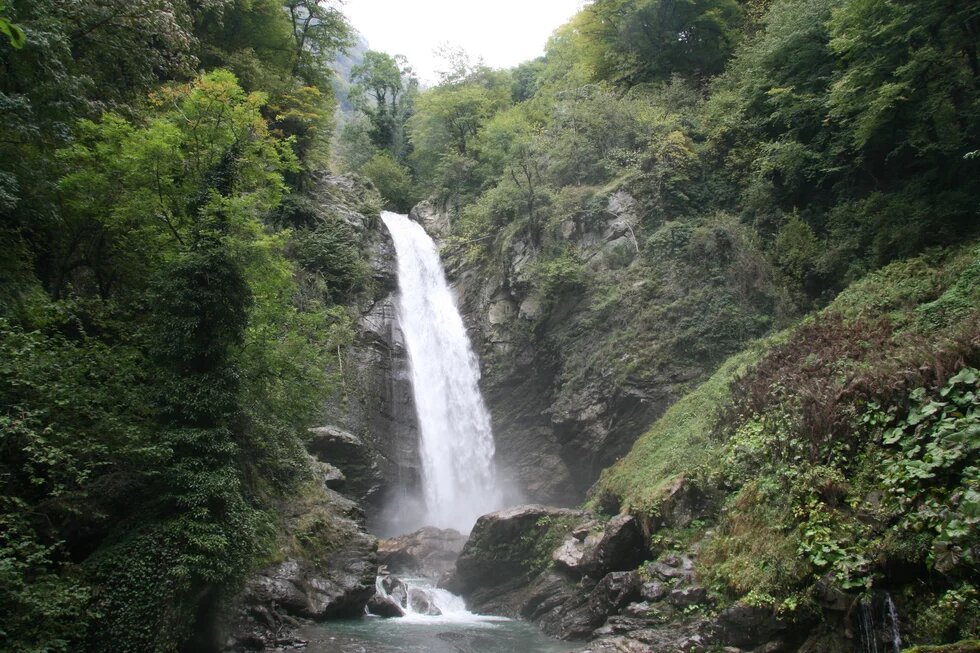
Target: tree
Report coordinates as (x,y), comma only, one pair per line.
(320,30)
(909,85)
(383,89)
(650,40)
(392,180)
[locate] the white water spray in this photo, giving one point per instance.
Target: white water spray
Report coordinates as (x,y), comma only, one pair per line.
(455,441)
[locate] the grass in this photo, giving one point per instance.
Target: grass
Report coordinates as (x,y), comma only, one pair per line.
(966,646)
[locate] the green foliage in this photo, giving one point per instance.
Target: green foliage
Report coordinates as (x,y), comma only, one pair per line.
(159,367)
(392,180)
(965,646)
(648,40)
(845,447)
(929,468)
(444,129)
(14,33)
(41,601)
(797,249)
(384,89)
(680,441)
(754,554)
(320,31)
(330,252)
(559,277)
(948,617)
(910,78)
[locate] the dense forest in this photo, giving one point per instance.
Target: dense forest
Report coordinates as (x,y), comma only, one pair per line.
(799,266)
(167,305)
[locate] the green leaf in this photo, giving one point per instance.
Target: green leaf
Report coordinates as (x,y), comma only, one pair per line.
(967,376)
(893,436)
(14,33)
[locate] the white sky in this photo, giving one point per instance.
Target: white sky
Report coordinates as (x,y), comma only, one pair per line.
(503,32)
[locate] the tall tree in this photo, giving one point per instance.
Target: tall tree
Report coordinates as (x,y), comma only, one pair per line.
(383,89)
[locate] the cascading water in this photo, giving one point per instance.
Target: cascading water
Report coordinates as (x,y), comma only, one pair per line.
(893,624)
(879,624)
(422,601)
(455,442)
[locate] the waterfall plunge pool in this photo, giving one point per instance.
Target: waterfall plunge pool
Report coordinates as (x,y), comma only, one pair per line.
(477,634)
(454,630)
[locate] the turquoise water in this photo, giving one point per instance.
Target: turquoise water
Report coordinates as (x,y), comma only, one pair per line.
(431,635)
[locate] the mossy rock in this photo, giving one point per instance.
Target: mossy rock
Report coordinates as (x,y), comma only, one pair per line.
(966,646)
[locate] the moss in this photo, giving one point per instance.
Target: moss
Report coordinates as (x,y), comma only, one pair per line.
(966,646)
(540,543)
(927,291)
(311,527)
(755,553)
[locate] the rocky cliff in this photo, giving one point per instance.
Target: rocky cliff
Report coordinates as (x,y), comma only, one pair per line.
(369,432)
(588,328)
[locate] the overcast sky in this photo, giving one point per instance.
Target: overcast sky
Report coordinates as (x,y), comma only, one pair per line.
(503,32)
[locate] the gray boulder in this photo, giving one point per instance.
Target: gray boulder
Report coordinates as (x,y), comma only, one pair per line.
(504,547)
(429,551)
(421,602)
(384,606)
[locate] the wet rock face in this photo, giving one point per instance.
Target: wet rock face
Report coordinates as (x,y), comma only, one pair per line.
(580,615)
(554,431)
(343,455)
(333,577)
(302,590)
(376,406)
(384,606)
(435,220)
(430,552)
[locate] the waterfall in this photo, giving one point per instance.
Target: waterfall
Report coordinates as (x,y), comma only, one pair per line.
(893,624)
(455,441)
(875,629)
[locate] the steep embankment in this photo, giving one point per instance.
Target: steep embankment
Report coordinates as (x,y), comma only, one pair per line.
(818,493)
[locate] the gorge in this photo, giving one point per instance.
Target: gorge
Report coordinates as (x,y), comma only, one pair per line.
(665,340)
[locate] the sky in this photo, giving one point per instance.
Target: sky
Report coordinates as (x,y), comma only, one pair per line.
(503,32)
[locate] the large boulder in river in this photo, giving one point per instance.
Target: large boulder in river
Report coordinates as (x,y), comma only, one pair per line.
(505,545)
(429,551)
(384,606)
